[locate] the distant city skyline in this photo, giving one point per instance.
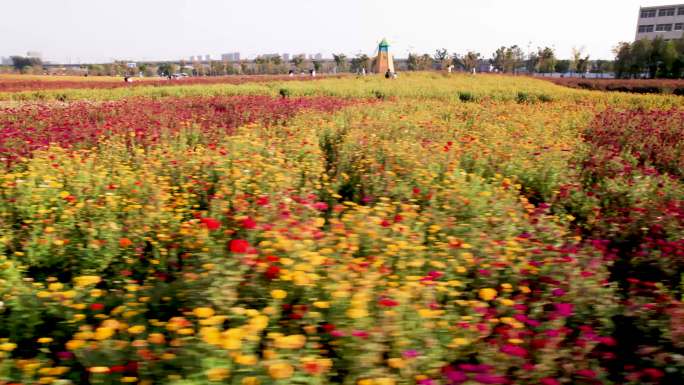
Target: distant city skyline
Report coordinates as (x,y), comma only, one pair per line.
(85,31)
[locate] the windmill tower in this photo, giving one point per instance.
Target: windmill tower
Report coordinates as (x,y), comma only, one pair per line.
(384,60)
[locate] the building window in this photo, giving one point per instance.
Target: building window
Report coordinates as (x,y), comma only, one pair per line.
(648,13)
(666,12)
(679,26)
(645,28)
(663,27)
(680,11)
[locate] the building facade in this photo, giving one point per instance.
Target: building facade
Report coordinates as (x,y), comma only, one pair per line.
(665,20)
(233,56)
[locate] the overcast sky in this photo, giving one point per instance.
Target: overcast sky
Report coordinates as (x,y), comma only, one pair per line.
(98,30)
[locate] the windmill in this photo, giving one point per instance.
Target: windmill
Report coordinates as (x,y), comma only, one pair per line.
(383,61)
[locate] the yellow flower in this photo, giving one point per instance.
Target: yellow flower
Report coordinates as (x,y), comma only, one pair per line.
(396,363)
(217,374)
(322,304)
(86,280)
(278,294)
(250,381)
(74,344)
(99,369)
(365,381)
(259,322)
(56,286)
(156,338)
(507,302)
(458,341)
(294,341)
(103,333)
(384,381)
(8,346)
(280,370)
(487,294)
(44,340)
(129,379)
(203,312)
(246,359)
(137,329)
(355,313)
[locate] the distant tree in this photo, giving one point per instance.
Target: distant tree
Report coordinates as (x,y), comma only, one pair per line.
(442,58)
(340,62)
(21,63)
(470,60)
(217,68)
(579,63)
(668,58)
(562,66)
(531,62)
(583,65)
(317,65)
(360,62)
(623,59)
(298,61)
(508,59)
(425,62)
(546,60)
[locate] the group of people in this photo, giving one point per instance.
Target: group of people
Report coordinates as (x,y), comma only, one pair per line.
(390,74)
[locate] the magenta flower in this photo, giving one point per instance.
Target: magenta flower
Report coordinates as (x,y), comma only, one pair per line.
(564,309)
(513,350)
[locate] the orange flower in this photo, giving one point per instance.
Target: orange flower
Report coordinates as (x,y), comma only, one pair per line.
(125,242)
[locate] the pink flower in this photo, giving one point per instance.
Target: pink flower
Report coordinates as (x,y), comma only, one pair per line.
(564,309)
(549,381)
(515,351)
(489,379)
(558,292)
(588,373)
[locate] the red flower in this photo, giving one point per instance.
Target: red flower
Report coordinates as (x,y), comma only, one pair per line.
(211,223)
(239,246)
(262,201)
(248,223)
(388,302)
(96,307)
(272,272)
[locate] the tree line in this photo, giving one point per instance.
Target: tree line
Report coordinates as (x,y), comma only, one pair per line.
(656,58)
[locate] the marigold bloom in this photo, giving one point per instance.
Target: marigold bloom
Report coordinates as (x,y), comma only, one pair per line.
(217,374)
(280,370)
(203,312)
(487,294)
(8,346)
(102,333)
(125,242)
(294,341)
(278,294)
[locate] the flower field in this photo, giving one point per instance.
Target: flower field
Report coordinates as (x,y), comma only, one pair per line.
(429,230)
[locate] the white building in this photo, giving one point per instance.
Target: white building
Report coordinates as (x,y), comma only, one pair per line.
(666,21)
(233,56)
